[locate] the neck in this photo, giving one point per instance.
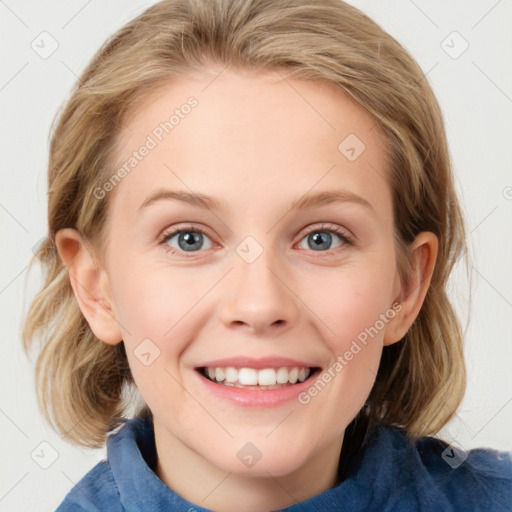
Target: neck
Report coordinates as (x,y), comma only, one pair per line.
(196,480)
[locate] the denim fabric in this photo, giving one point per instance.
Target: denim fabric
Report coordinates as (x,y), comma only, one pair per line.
(391,474)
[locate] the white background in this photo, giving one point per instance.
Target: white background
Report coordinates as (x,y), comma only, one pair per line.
(475,93)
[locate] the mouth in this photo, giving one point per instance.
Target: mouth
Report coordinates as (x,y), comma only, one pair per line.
(258,378)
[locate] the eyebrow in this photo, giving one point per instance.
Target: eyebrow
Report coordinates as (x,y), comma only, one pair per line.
(209,203)
(194,199)
(328,197)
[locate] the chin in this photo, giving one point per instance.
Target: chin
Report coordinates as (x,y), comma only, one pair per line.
(257,460)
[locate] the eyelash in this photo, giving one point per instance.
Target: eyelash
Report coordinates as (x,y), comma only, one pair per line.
(328,228)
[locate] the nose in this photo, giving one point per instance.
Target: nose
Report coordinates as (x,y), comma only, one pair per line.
(258,298)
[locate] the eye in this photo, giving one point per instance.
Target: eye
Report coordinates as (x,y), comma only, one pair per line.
(191,239)
(322,237)
(188,239)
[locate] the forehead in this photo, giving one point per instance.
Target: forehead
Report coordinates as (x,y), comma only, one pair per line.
(266,137)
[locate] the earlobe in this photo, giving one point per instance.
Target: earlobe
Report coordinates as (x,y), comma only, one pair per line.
(90,285)
(412,295)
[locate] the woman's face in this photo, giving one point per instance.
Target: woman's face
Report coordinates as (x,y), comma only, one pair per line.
(285,262)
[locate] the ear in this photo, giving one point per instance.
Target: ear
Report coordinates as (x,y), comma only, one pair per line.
(411,295)
(90,285)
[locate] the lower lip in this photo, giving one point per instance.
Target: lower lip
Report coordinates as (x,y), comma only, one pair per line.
(256,397)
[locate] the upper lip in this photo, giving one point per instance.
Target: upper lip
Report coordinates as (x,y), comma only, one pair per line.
(260,363)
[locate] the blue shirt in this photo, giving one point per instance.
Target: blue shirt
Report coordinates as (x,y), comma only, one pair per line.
(390,473)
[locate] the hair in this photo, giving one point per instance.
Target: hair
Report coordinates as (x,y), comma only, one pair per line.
(85,385)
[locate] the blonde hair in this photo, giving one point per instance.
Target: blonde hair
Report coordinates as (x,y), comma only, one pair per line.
(85,384)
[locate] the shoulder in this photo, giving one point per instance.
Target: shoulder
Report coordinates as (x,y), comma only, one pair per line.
(476,479)
(103,486)
(96,491)
(481,476)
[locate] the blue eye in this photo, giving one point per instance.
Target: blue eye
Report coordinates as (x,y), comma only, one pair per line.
(190,239)
(322,236)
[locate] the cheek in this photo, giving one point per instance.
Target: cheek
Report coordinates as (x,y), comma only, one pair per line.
(350,302)
(354,308)
(152,301)
(154,317)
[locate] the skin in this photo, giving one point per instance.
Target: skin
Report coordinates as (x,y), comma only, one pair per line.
(258,145)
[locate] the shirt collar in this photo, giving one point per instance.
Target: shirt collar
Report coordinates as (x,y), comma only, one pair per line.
(132,457)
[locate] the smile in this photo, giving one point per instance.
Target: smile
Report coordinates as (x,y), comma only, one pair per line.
(270,378)
(256,382)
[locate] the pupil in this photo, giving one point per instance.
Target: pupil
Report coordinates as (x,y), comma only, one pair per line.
(321,238)
(190,240)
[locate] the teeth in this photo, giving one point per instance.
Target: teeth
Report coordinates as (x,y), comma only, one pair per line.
(282,376)
(219,374)
(247,376)
(266,377)
(231,376)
